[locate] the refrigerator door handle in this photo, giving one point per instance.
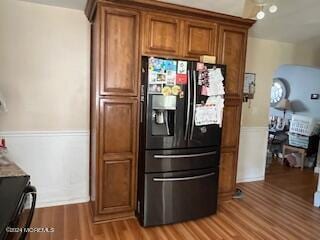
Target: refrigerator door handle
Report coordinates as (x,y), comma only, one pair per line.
(183,178)
(188,108)
(194,103)
(186,155)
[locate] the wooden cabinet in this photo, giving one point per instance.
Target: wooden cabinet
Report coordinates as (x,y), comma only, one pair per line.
(117,158)
(117,136)
(123,31)
(116,181)
(229,148)
(161,34)
(231,124)
(227,174)
(119,51)
(114,111)
(178,37)
(232,52)
(200,38)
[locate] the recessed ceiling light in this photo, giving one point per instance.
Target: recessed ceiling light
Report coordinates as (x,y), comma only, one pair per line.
(273,8)
(260,15)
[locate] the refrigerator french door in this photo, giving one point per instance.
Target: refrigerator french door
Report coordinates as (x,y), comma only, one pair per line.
(178,130)
(178,161)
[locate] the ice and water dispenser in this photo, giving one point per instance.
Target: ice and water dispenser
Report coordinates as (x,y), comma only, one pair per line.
(163,115)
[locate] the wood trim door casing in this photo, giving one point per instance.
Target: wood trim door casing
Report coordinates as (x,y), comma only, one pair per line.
(232,52)
(161,34)
(118,152)
(120,51)
(200,38)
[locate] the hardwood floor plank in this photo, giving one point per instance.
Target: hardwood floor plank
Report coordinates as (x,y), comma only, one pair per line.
(279,213)
(266,212)
(72,226)
(301,183)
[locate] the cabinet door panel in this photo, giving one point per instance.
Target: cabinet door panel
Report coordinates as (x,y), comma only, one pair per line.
(162,34)
(118,126)
(227,174)
(199,39)
(116,186)
(120,52)
(232,49)
(231,125)
(117,163)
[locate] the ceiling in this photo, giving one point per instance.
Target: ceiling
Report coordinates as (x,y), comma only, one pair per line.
(231,7)
(74,4)
(296,20)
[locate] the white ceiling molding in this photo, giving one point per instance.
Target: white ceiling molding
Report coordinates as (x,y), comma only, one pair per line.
(73,4)
(231,7)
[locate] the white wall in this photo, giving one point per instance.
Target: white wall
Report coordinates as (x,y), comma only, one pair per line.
(44,67)
(317,196)
(44,77)
(252,154)
(263,58)
(302,81)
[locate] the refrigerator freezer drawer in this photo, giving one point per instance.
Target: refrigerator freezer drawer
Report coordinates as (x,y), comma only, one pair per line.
(179,196)
(181,159)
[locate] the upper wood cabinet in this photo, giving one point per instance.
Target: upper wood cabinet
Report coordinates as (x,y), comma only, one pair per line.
(232,52)
(200,38)
(119,51)
(161,34)
(166,35)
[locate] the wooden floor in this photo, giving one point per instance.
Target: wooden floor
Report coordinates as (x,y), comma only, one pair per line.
(301,183)
(266,212)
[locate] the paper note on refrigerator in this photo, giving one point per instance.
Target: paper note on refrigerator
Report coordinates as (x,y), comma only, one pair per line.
(182,67)
(206,115)
(171,77)
(214,84)
(211,112)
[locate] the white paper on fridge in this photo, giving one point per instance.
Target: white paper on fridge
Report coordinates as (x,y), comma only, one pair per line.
(206,115)
(182,67)
(171,78)
(215,82)
(218,101)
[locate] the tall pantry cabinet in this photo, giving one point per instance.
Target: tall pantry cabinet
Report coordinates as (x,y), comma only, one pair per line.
(122,32)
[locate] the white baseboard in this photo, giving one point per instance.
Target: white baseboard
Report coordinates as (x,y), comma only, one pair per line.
(62,202)
(317,170)
(57,162)
(317,199)
(252,154)
(255,179)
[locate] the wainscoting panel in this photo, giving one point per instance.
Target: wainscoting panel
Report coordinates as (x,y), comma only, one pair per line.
(57,161)
(252,154)
(317,195)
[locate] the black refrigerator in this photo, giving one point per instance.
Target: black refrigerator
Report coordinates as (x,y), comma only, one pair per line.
(178,167)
